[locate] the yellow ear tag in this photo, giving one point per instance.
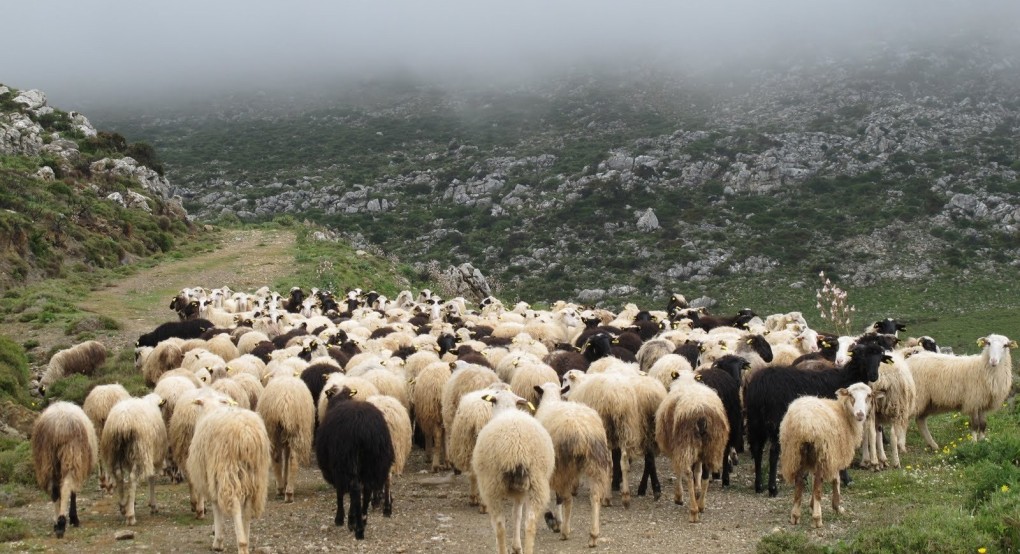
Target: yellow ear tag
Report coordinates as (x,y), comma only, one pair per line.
(232,402)
(354,392)
(162,402)
(531,406)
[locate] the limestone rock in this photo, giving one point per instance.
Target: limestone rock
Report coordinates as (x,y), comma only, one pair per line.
(45,173)
(647,222)
(31,99)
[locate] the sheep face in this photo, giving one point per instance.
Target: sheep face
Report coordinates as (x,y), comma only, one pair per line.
(858,398)
(995,346)
(888,326)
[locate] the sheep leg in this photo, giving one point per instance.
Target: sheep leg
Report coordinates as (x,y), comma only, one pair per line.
(568,505)
(339,519)
(359,528)
(387,510)
(703,484)
(727,468)
(836,497)
(757,450)
(773,467)
(289,461)
(880,448)
(518,514)
(352,513)
(279,472)
(798,493)
(693,507)
(240,528)
(650,473)
(153,509)
(868,441)
(901,436)
(72,515)
(217,542)
(498,525)
(617,471)
(474,499)
(437,450)
(922,426)
(625,478)
(816,502)
(530,523)
(129,516)
(552,520)
(678,491)
(596,508)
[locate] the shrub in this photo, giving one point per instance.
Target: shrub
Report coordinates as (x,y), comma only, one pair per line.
(782,542)
(73,388)
(16,462)
(14,373)
(12,529)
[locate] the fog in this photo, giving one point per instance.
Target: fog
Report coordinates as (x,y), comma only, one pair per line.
(125,50)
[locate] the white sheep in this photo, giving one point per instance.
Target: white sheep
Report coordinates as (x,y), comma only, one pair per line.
(288,411)
(818,436)
(133,447)
(579,441)
(612,395)
(513,459)
(228,463)
(464,379)
(472,413)
(399,424)
(427,399)
(691,428)
(895,396)
(82,358)
(165,356)
(97,406)
(975,385)
(182,429)
(64,452)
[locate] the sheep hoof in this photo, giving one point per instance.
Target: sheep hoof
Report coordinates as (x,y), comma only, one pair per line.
(153,510)
(288,498)
(217,545)
(551,523)
(678,501)
(794,519)
(656,495)
(840,510)
(592,541)
(773,492)
(626,501)
(816,522)
(130,520)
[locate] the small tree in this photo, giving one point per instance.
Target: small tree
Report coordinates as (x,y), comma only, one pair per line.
(832,305)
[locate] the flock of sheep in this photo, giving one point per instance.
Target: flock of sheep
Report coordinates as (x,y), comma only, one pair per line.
(527,402)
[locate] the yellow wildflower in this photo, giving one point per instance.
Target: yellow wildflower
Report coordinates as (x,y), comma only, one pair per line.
(1005,488)
(982,550)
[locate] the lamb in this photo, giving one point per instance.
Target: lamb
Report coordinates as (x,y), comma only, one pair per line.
(64,451)
(514,459)
(228,463)
(770,390)
(97,406)
(82,358)
(133,446)
(355,453)
(818,436)
(472,413)
(691,427)
(579,441)
(613,396)
(975,385)
(288,411)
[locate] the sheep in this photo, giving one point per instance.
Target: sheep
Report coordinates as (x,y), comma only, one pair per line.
(288,411)
(190,329)
(64,451)
(181,430)
(464,378)
(472,413)
(895,396)
(530,375)
(426,397)
(651,351)
(354,451)
(97,407)
(338,381)
(251,386)
(248,341)
(514,458)
(612,395)
(769,391)
(82,358)
(975,385)
(691,427)
(170,389)
(133,446)
(818,436)
(579,441)
(228,463)
(664,368)
(165,356)
(399,424)
(724,377)
(649,393)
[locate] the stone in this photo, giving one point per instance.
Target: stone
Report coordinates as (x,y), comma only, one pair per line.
(647,222)
(31,99)
(45,173)
(703,302)
(124,535)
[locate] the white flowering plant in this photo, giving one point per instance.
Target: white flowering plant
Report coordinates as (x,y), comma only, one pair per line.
(833,306)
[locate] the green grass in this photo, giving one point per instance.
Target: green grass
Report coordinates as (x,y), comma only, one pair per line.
(13,529)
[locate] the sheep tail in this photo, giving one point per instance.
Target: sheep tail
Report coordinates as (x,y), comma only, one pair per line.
(517,480)
(702,427)
(55,492)
(808,455)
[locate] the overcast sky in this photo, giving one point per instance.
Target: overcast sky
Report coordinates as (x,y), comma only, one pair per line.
(77,49)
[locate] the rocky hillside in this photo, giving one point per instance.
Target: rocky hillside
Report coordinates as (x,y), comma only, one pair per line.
(73,198)
(902,164)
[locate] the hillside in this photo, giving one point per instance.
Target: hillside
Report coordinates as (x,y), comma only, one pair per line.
(898,166)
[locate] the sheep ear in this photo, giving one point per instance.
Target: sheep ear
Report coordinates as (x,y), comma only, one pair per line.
(489,398)
(565,389)
(878,395)
(1012,344)
(353,392)
(162,402)
(539,390)
(842,392)
(674,374)
(982,342)
(887,359)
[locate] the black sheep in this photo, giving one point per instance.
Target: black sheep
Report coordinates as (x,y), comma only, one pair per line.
(446,342)
(888,326)
(709,322)
(190,329)
(770,391)
(315,377)
(690,350)
(264,351)
(601,345)
(354,452)
(724,377)
(293,304)
(563,361)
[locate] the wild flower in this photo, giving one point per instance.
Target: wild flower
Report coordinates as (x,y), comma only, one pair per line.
(831,302)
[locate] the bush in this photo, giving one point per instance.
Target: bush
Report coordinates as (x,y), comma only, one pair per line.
(12,529)
(16,462)
(73,388)
(782,542)
(14,372)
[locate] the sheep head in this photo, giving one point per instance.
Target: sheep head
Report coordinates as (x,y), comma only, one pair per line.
(995,347)
(857,398)
(864,360)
